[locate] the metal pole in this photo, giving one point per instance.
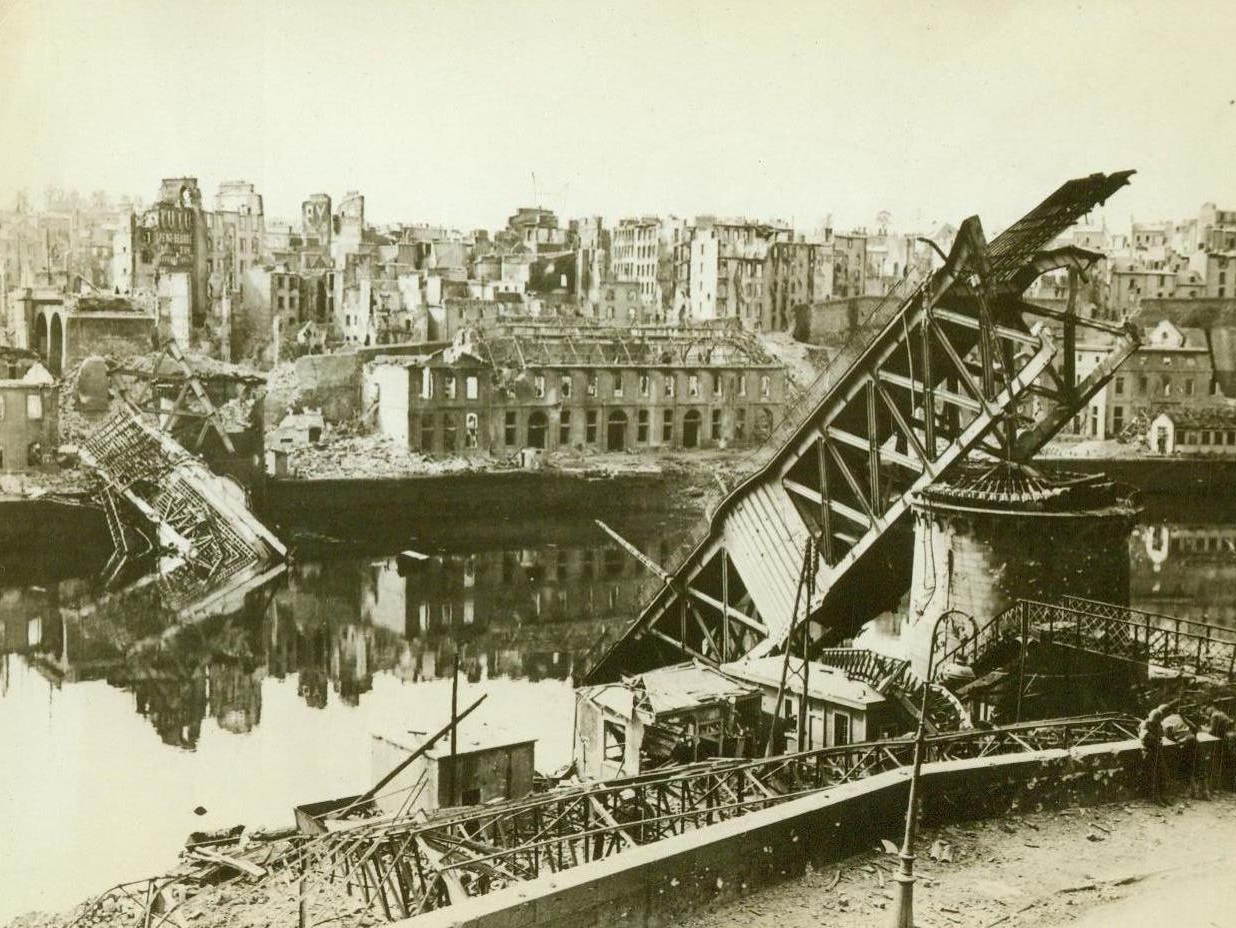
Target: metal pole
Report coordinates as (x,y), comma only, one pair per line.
(905,876)
(1021,663)
(454,729)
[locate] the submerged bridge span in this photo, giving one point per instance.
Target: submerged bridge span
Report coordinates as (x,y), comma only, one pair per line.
(965,364)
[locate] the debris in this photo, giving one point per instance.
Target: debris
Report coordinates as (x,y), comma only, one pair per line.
(1102,828)
(942,851)
(835,880)
(889,847)
(1092,836)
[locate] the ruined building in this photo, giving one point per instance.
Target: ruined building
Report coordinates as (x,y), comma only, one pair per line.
(551,387)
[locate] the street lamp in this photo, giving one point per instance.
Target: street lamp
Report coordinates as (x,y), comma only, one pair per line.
(905,876)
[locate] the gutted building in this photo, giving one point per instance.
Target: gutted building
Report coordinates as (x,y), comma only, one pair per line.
(552,387)
(29,431)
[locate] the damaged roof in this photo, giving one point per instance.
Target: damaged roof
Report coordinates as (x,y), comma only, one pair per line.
(686,686)
(826,683)
(591,346)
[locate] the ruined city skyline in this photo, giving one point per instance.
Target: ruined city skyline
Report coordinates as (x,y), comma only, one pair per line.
(624,112)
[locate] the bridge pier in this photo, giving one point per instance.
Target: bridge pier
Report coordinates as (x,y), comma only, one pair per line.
(999,532)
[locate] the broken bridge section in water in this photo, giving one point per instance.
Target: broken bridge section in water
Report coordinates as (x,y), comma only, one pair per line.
(964,364)
(210,541)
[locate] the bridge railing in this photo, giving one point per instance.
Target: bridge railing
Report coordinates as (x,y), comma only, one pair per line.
(1111,630)
(1151,619)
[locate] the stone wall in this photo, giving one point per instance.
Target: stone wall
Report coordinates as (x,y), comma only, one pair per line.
(658,884)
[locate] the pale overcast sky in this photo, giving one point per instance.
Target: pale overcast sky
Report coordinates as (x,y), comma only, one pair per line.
(442,111)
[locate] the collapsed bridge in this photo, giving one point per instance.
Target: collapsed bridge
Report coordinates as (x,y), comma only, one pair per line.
(965,364)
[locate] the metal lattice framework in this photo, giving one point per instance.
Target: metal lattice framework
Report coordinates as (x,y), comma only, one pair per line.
(169,388)
(1111,630)
(402,866)
(963,365)
(199,518)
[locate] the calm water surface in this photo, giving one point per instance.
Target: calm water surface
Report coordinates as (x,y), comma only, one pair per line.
(251,713)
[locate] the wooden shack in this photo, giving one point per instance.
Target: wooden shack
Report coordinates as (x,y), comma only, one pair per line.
(488,764)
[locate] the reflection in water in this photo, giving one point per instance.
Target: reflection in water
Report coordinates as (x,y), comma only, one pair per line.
(526,614)
(1186,571)
(271,703)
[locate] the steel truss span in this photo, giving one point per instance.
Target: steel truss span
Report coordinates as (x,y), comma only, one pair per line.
(401,866)
(964,365)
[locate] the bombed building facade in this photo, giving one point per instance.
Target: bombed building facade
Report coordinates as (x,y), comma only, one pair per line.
(552,387)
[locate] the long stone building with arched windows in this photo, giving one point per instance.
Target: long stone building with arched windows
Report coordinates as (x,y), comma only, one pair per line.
(551,387)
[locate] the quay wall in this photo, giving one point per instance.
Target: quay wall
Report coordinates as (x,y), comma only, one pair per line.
(658,884)
(440,510)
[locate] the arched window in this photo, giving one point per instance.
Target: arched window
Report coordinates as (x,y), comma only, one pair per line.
(538,427)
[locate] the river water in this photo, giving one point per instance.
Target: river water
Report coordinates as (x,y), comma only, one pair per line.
(246,715)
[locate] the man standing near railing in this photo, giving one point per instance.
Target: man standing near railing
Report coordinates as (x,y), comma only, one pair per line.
(1150,731)
(1181,732)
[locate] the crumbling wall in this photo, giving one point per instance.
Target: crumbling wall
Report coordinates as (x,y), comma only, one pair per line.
(332,383)
(661,883)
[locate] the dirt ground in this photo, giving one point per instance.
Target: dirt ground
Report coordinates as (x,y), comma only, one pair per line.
(1102,867)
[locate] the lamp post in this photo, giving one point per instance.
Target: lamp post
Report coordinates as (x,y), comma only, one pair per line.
(905,876)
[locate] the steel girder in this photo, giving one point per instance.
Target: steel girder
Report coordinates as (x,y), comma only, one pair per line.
(964,365)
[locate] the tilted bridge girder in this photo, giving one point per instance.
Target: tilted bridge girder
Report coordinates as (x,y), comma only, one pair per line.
(961,366)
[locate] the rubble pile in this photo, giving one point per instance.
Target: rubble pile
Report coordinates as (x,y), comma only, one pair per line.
(343,454)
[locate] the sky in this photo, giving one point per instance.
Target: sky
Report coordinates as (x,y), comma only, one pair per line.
(445,112)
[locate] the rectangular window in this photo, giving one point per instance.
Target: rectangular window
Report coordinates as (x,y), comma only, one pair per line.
(1188,386)
(538,384)
(841,729)
(590,427)
(717,387)
(667,428)
(641,427)
(510,433)
(716,425)
(471,430)
(1120,386)
(564,390)
(1117,419)
(740,424)
(615,747)
(471,387)
(617,375)
(693,385)
(671,382)
(742,384)
(1143,384)
(426,383)
(449,437)
(564,427)
(427,432)
(765,386)
(645,384)
(592,383)
(34,407)
(448,386)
